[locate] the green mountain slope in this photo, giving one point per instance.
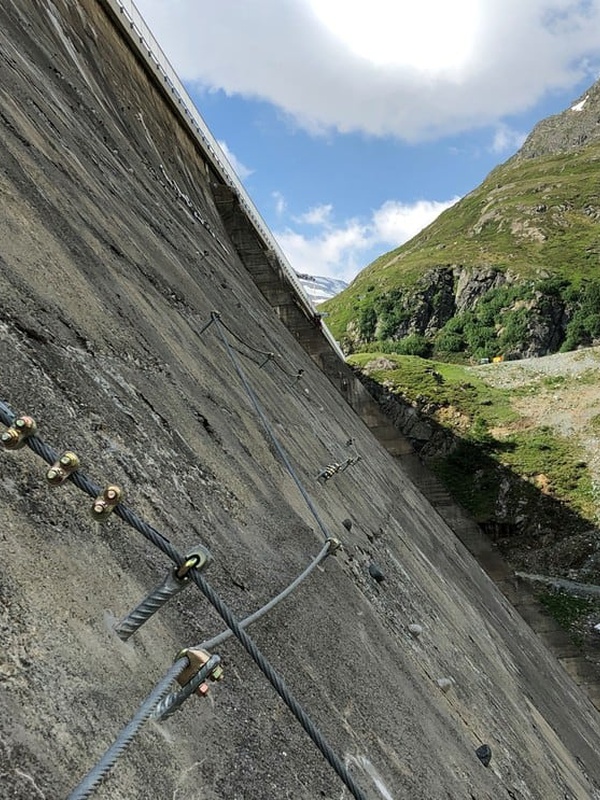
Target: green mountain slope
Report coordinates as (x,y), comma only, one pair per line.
(529,235)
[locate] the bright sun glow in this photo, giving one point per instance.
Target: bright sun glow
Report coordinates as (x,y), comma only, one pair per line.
(428,35)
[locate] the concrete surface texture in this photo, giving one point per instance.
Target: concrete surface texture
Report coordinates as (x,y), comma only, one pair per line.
(107,274)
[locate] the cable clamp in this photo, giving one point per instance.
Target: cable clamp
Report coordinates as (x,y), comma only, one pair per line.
(105,503)
(297,377)
(16,436)
(201,666)
(214,316)
(197,659)
(61,469)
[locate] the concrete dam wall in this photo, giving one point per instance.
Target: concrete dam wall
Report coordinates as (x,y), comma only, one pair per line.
(118,240)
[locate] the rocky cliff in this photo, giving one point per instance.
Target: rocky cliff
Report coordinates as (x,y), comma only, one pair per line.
(117,244)
(568,131)
(486,311)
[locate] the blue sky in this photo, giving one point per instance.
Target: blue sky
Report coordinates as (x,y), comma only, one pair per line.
(353,123)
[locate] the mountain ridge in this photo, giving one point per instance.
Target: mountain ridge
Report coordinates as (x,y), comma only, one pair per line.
(532,223)
(566,131)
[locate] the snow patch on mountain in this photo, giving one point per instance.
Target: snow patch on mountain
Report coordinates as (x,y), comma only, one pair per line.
(321,289)
(579,106)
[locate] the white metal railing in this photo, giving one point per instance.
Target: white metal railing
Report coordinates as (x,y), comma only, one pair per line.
(143,39)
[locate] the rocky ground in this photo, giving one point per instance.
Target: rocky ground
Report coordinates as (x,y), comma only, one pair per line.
(562,391)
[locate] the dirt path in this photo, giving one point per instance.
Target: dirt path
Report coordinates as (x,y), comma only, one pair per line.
(512,374)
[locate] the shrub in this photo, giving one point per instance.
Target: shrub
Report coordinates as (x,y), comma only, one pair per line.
(584,326)
(413,345)
(391,313)
(366,322)
(481,338)
(449,342)
(515,330)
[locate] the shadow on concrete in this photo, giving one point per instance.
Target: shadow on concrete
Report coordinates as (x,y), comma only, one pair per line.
(510,526)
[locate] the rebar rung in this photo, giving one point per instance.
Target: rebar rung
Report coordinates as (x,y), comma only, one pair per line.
(160,595)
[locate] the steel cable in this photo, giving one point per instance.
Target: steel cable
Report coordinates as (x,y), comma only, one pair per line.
(6,413)
(279,685)
(209,644)
(48,454)
(274,357)
(243,341)
(298,374)
(270,432)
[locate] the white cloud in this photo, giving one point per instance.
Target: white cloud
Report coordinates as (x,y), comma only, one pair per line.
(280,51)
(395,223)
(280,203)
(241,170)
(430,36)
(332,253)
(507,139)
(318,215)
(342,250)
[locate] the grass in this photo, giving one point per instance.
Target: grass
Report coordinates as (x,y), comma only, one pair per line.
(475,469)
(441,383)
(541,452)
(554,381)
(595,423)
